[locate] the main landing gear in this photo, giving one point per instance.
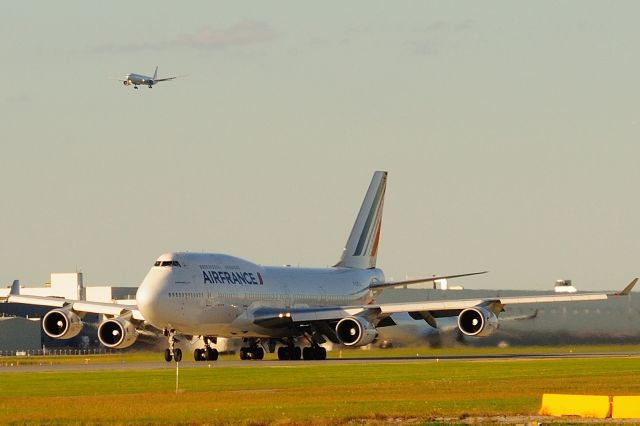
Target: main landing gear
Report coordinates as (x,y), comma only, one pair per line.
(294,353)
(253,351)
(289,352)
(314,352)
(207,353)
(172,352)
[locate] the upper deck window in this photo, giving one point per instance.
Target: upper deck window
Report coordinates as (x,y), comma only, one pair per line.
(167,263)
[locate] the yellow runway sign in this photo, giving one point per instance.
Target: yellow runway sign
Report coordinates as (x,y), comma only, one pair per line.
(626,407)
(592,406)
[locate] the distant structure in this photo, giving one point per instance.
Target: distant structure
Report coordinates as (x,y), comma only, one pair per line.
(564,286)
(70,285)
(435,285)
(20,334)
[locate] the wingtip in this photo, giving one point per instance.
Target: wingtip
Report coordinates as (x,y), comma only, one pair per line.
(628,288)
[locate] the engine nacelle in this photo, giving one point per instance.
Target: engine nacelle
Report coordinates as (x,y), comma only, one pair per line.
(62,324)
(117,333)
(126,82)
(355,331)
(477,321)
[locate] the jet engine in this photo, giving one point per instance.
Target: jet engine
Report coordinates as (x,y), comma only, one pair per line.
(62,324)
(126,82)
(477,321)
(117,333)
(355,331)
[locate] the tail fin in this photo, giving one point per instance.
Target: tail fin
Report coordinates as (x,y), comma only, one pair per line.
(155,74)
(362,246)
(15,288)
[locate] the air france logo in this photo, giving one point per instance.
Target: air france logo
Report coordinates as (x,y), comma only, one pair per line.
(223,277)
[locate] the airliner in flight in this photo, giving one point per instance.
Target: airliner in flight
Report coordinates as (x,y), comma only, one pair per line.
(296,310)
(139,79)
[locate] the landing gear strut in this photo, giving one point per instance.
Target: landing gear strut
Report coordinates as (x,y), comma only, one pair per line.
(172,352)
(208,353)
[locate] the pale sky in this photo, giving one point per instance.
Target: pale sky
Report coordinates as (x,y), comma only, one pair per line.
(509,130)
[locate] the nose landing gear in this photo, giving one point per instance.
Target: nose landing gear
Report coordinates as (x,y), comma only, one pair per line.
(172,352)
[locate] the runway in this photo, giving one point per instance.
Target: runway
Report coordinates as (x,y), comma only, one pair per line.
(94,364)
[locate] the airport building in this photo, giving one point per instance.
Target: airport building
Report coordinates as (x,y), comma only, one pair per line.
(20,329)
(20,334)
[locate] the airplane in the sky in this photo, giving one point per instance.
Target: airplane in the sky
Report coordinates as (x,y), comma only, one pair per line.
(296,310)
(139,79)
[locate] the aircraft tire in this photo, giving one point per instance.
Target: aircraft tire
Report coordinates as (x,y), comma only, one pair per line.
(258,353)
(297,353)
(198,354)
(211,354)
(243,353)
(320,353)
(283,353)
(308,353)
(167,355)
(177,355)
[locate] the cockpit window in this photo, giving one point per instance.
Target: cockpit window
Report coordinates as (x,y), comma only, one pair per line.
(167,263)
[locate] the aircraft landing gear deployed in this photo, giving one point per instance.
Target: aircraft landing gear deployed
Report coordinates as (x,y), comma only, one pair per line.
(314,352)
(289,352)
(172,352)
(253,351)
(207,353)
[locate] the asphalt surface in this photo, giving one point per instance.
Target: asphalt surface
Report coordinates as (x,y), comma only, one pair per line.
(93,364)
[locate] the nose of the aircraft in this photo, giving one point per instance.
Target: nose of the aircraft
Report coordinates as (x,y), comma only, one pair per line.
(150,297)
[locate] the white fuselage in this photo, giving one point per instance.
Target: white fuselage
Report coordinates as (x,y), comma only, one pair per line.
(139,79)
(214,294)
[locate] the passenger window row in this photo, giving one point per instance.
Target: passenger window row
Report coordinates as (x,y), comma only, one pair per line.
(186,294)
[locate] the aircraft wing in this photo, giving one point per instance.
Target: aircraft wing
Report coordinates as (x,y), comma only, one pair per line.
(85,306)
(165,79)
(441,308)
(379,314)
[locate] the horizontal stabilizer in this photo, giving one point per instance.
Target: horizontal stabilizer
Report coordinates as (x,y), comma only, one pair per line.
(627,289)
(420,280)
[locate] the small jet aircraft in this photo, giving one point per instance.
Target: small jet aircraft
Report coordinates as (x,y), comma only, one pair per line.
(139,79)
(212,295)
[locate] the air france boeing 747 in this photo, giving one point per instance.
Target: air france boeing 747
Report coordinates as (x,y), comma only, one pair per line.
(295,310)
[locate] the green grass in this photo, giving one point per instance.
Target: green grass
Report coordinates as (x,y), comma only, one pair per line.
(303,394)
(421,351)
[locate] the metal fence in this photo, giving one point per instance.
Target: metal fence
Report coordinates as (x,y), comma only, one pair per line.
(58,352)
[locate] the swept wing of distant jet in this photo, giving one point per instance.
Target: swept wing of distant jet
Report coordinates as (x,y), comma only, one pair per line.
(144,80)
(211,295)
